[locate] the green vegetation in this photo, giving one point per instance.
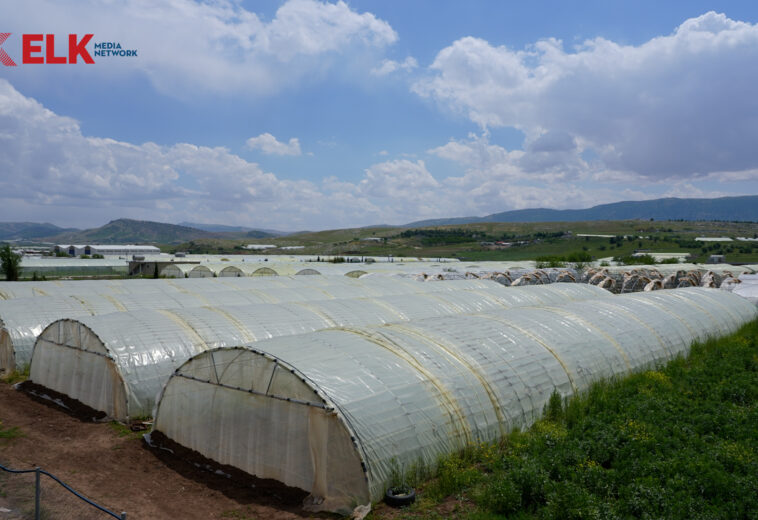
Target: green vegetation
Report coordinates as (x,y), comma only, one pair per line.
(635,260)
(10,263)
(16,376)
(506,241)
(10,433)
(123,430)
(679,442)
(577,259)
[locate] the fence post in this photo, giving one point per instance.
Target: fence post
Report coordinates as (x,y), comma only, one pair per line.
(36,493)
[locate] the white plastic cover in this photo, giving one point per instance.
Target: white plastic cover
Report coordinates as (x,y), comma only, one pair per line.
(747,288)
(12,290)
(146,346)
(413,391)
(22,319)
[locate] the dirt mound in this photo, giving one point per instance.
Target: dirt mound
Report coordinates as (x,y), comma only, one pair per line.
(49,397)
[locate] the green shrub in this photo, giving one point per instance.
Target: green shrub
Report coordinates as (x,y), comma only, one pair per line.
(10,263)
(500,495)
(544,262)
(453,477)
(679,442)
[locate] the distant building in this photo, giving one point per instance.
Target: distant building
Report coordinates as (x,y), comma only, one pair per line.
(496,245)
(661,256)
(372,239)
(716,259)
(713,239)
(260,247)
(106,250)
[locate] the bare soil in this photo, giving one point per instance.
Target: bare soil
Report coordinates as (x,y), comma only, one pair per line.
(117,469)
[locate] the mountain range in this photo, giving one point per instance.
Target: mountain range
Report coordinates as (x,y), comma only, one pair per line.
(30,230)
(248,231)
(743,209)
(724,208)
(127,231)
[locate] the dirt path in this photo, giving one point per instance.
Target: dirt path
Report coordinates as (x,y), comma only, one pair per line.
(116,469)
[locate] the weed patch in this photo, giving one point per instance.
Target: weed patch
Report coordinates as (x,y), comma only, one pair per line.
(12,432)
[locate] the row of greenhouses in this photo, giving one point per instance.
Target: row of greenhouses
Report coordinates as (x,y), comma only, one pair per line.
(31,306)
(336,412)
(145,347)
(355,270)
(330,383)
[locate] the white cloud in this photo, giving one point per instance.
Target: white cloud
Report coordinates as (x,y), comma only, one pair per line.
(218,46)
(677,106)
(390,66)
(50,171)
(308,27)
(268,144)
(549,157)
(397,179)
(46,163)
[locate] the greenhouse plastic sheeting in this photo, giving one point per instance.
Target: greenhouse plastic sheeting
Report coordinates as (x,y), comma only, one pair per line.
(334,412)
(176,270)
(748,289)
(146,346)
(666,269)
(73,267)
(22,319)
(11,290)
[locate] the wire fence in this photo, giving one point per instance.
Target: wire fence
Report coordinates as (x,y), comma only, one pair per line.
(38,472)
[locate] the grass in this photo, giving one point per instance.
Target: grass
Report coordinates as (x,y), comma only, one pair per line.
(16,376)
(677,443)
(10,433)
(124,431)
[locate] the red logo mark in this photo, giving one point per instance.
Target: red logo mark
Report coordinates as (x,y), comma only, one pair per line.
(4,58)
(76,48)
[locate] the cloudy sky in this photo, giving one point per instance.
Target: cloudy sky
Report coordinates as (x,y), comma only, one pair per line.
(305,114)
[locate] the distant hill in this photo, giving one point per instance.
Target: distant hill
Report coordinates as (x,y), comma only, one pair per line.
(29,230)
(126,231)
(247,231)
(724,208)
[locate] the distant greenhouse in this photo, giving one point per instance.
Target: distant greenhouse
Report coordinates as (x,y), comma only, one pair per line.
(336,412)
(106,249)
(65,267)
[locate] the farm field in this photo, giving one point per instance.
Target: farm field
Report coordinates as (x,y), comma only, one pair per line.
(679,442)
(542,239)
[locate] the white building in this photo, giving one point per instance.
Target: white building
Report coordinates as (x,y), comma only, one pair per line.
(259,247)
(106,250)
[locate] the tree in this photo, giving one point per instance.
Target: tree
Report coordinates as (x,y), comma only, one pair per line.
(10,263)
